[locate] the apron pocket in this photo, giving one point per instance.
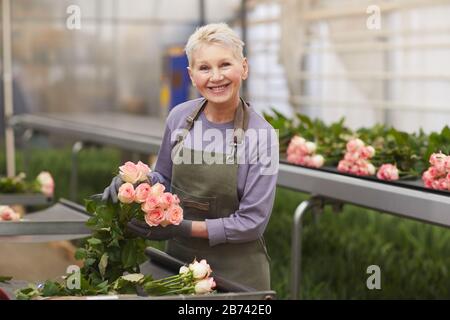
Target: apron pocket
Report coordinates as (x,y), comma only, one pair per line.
(195,207)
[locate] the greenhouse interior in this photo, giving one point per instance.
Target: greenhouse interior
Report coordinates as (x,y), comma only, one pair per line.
(321,126)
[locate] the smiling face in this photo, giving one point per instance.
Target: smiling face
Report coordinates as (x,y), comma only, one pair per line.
(217,74)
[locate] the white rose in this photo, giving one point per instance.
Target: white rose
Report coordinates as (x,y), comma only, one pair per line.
(204,286)
(183,270)
(311,147)
(200,270)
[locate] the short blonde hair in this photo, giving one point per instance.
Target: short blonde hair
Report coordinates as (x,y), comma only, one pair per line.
(214,33)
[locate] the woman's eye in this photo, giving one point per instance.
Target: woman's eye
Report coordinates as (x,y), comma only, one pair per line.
(226,64)
(203,68)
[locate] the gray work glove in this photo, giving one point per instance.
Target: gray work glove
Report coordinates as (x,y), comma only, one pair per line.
(159,233)
(112,190)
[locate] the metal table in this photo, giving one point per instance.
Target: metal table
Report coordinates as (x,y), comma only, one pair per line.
(404,199)
(64,220)
(161,265)
(30,199)
(129,132)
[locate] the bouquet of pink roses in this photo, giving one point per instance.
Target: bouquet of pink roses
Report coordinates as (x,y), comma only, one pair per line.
(160,208)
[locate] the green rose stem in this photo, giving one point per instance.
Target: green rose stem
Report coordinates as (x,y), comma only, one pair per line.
(189,289)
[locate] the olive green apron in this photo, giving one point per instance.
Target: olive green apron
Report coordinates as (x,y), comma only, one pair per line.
(210,191)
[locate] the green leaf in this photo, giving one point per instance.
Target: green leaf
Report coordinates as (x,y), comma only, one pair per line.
(80,254)
(94,241)
(27,293)
(133,277)
(90,206)
(103,264)
(128,255)
(52,288)
(305,119)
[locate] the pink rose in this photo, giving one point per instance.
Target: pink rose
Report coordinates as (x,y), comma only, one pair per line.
(447,163)
(150,203)
(144,170)
(8,214)
(367,152)
(344,166)
(126,193)
(157,190)
(291,149)
(129,172)
(166,200)
(292,158)
(47,183)
(388,172)
(154,217)
(303,149)
(352,156)
(174,214)
(437,158)
(435,172)
(297,141)
(142,192)
(435,184)
(354,145)
(443,184)
(205,286)
(317,161)
(371,169)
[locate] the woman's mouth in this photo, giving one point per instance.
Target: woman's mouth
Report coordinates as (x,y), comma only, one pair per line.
(218,89)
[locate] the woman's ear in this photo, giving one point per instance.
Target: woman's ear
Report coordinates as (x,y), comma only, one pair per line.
(245,67)
(191,76)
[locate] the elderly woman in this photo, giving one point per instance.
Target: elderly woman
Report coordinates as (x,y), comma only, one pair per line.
(221,158)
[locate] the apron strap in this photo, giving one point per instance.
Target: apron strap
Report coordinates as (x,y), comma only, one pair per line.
(240,122)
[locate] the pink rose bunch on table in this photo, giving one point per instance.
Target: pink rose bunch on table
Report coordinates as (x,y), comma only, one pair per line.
(438,174)
(8,214)
(388,172)
(302,152)
(356,159)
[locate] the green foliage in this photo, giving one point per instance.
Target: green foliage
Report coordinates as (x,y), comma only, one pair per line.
(410,152)
(337,249)
(18,184)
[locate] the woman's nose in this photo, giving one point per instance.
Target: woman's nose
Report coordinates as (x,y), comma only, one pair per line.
(216,75)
